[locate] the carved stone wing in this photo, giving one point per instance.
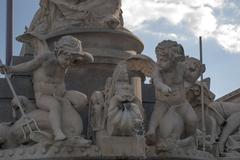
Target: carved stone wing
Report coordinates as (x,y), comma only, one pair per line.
(141,63)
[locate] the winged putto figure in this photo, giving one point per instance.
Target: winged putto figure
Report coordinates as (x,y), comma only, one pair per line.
(173,120)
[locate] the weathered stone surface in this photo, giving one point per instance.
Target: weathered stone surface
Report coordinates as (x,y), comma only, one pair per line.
(121,146)
(115,112)
(222,121)
(56,152)
(57,14)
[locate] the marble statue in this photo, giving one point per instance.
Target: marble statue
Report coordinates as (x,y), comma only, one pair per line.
(117,116)
(230,123)
(117,121)
(125,111)
(173,120)
(223,118)
(54,103)
(97,105)
(60,14)
(122,110)
(124,115)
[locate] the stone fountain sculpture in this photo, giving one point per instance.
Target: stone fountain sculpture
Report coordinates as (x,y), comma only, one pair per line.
(61,122)
(58,106)
(117,116)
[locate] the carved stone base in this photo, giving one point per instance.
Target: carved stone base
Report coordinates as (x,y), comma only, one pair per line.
(56,151)
(228,158)
(122,146)
(179,154)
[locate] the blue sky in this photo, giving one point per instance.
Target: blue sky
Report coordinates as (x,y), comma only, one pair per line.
(218,21)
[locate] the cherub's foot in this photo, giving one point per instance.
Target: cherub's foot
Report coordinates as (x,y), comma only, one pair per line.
(79,141)
(60,136)
(163,147)
(150,138)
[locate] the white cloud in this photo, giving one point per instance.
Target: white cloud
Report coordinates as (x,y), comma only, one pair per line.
(228,36)
(197,15)
(196,3)
(136,13)
(162,35)
(201,21)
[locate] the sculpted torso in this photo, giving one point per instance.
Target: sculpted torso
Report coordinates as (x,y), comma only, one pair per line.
(49,78)
(174,79)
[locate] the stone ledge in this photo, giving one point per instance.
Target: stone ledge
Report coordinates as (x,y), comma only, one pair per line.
(121,146)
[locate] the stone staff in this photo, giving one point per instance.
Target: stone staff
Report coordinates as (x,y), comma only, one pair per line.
(202,98)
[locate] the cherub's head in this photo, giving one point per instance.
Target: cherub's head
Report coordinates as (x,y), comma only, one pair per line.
(194,68)
(169,53)
(69,51)
(97,98)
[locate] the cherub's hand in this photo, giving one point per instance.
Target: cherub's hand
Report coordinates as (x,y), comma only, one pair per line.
(83,58)
(166,90)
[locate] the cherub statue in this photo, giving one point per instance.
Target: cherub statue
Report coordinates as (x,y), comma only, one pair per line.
(97,113)
(173,117)
(49,70)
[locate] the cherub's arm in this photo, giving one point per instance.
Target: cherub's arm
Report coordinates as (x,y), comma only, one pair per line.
(27,66)
(158,82)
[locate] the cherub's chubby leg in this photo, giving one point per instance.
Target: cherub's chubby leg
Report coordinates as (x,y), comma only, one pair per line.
(53,106)
(77,99)
(190,119)
(232,124)
(160,108)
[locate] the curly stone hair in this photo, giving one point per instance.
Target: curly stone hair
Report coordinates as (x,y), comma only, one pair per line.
(169,44)
(68,43)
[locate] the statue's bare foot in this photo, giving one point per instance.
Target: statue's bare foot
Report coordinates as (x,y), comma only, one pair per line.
(162,147)
(79,141)
(150,138)
(60,136)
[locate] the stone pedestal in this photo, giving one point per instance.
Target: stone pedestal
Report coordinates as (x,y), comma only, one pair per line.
(178,154)
(56,152)
(121,146)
